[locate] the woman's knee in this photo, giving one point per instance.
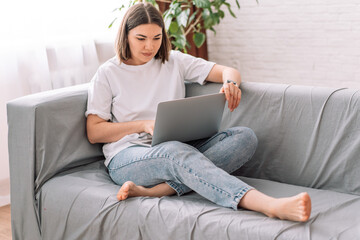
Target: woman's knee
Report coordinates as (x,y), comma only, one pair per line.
(246,136)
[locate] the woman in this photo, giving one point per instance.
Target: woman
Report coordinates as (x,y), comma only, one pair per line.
(122,105)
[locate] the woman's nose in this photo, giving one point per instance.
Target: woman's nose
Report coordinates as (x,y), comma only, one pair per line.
(148,45)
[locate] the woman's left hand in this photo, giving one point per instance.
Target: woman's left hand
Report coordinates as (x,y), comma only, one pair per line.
(232,94)
(231,79)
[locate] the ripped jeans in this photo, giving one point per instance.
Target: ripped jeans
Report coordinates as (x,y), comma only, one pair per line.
(202,165)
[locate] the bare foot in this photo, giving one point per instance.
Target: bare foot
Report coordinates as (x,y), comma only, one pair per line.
(130,189)
(296,208)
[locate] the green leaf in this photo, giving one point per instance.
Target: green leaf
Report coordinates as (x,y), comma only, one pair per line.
(238,5)
(178,10)
(229,8)
(183,17)
(176,44)
(175,8)
(207,18)
(192,17)
(180,42)
(174,27)
(208,21)
(206,13)
(199,39)
(167,21)
(132,3)
(202,3)
(212,29)
(181,39)
(221,14)
(216,18)
(112,23)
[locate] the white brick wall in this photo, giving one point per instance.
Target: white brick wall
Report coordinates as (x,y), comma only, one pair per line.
(307,42)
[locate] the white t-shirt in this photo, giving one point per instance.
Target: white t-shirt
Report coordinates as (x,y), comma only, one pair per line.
(123,93)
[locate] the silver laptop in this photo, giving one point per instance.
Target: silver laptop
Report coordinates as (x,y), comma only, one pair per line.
(187,119)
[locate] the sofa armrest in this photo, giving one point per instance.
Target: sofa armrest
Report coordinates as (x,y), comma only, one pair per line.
(46,136)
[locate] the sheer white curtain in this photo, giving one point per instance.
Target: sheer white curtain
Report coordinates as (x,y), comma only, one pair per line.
(47,44)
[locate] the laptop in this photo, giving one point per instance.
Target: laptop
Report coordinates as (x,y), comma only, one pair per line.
(186,119)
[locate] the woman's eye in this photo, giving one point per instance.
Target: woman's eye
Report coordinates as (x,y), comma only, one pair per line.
(157,38)
(141,39)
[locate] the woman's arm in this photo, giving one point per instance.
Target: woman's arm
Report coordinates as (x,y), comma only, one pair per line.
(221,74)
(102,131)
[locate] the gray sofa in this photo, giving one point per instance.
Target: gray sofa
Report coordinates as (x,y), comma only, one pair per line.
(309,140)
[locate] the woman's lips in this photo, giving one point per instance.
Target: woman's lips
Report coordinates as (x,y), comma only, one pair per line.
(147,54)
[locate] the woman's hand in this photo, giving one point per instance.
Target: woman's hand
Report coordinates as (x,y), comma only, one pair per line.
(148,126)
(231,80)
(232,94)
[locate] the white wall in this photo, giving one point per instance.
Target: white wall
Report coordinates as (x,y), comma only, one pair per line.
(308,42)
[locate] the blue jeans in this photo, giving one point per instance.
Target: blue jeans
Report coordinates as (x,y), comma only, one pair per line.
(202,165)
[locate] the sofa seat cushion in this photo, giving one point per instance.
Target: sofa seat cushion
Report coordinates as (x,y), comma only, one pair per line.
(81,204)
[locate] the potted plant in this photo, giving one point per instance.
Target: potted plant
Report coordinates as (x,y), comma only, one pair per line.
(187,20)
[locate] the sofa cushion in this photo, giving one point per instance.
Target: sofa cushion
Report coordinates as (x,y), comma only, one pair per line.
(85,205)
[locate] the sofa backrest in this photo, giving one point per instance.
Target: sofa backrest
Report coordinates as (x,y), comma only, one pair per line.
(308,136)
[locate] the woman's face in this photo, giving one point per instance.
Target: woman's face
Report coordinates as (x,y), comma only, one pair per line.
(144,42)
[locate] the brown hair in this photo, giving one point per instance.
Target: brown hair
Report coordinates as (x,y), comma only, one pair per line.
(140,13)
